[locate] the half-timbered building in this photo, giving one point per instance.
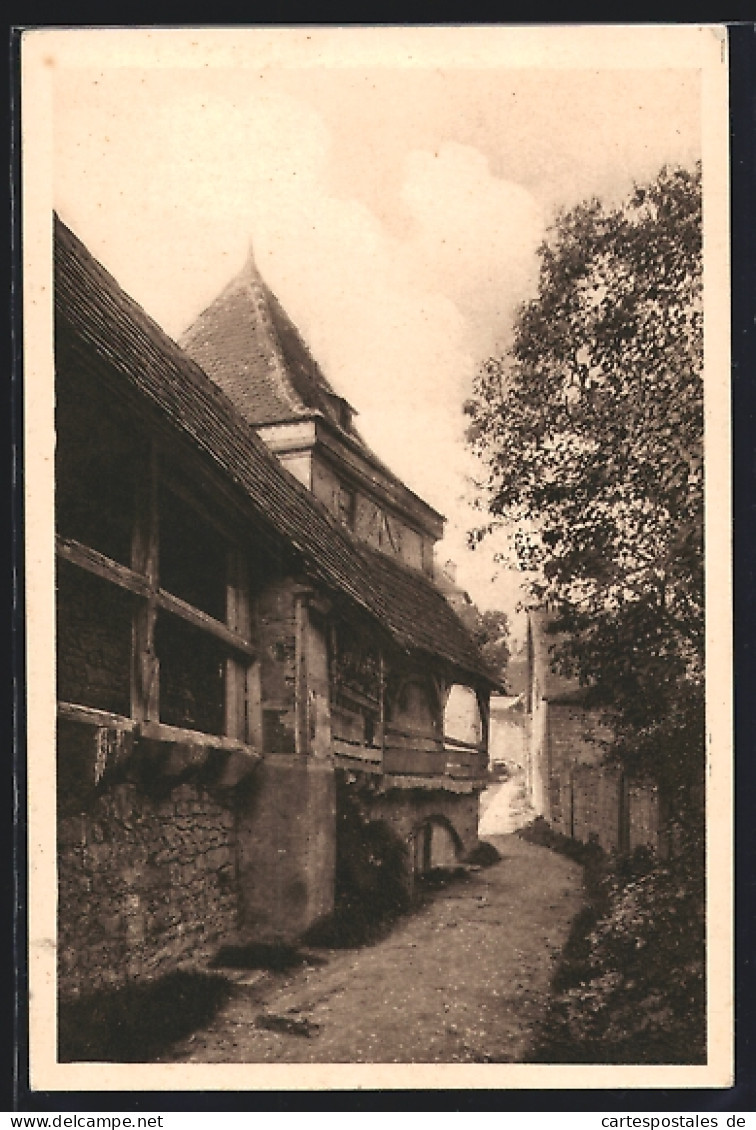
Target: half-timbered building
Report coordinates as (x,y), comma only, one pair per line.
(241,652)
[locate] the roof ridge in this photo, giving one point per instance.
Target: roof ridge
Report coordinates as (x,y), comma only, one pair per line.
(260,295)
(261,329)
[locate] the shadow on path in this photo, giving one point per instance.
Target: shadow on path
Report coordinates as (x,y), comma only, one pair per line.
(464,978)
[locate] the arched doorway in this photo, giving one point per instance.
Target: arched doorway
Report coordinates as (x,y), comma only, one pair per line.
(434,844)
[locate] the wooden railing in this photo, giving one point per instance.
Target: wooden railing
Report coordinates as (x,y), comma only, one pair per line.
(404,754)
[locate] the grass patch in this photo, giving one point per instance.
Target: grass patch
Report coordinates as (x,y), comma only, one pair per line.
(136,1023)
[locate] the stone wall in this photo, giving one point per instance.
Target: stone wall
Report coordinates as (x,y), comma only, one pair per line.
(405,811)
(572,740)
(145,885)
(597,807)
(589,800)
(644,822)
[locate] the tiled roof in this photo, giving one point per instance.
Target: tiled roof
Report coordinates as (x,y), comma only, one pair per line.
(248,345)
(414,600)
(99,323)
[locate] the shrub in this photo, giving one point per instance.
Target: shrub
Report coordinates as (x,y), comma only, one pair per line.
(631,988)
(483,855)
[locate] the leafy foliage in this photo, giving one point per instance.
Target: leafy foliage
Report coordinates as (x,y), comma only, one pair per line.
(591,433)
(631,986)
(490,630)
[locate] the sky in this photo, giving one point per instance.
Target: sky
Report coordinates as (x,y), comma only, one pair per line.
(394,189)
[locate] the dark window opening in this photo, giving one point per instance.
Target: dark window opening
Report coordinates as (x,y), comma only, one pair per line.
(95,469)
(94,641)
(192,676)
(192,557)
(342,410)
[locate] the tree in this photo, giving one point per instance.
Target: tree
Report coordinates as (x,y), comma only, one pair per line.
(490,630)
(591,434)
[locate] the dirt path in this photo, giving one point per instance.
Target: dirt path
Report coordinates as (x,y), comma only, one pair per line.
(463,979)
(504,808)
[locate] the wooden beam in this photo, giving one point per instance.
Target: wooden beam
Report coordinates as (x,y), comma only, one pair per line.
(415,736)
(475,747)
(356,697)
(381,735)
(408,761)
(484,709)
(145,678)
(238,621)
(357,764)
(96,563)
(160,732)
(74,712)
(170,603)
(301,704)
(358,751)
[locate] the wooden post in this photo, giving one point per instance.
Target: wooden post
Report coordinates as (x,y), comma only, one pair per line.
(301,704)
(145,680)
(239,620)
(254,705)
(382,702)
(441,688)
(484,709)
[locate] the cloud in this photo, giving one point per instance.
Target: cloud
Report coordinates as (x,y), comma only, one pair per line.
(166,178)
(475,234)
(401,324)
(168,181)
(399,252)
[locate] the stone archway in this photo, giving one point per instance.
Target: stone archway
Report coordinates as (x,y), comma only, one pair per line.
(433,844)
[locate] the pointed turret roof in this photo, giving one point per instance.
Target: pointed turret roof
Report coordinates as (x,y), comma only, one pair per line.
(249,346)
(246,342)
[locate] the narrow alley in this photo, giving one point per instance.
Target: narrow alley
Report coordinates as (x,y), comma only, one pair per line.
(464,978)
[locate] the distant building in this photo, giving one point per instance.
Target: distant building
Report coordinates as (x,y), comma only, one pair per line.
(568,782)
(508,733)
(244,659)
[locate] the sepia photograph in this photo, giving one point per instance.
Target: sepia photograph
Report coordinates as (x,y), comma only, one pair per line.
(378,581)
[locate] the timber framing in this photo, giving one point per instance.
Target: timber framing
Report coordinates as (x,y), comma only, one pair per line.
(101,331)
(142,580)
